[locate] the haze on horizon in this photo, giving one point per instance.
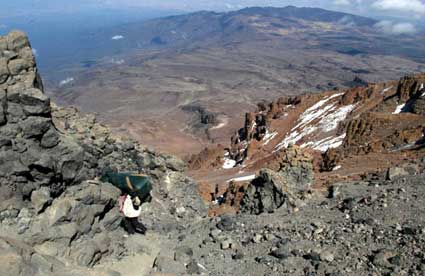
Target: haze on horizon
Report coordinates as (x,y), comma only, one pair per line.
(408,9)
(59,28)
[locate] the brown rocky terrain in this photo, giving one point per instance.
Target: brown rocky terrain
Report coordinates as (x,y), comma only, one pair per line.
(226,63)
(343,134)
(274,217)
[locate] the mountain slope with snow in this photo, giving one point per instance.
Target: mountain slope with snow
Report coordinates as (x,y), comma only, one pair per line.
(375,126)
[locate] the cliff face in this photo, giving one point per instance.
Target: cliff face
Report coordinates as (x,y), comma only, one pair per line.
(32,151)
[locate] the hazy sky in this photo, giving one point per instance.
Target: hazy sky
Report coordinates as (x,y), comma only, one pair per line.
(407,9)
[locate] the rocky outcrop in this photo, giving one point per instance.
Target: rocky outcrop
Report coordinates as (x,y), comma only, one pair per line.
(203,119)
(281,183)
(267,193)
(418,106)
(295,165)
(82,225)
(207,158)
(32,151)
(43,145)
(257,125)
(54,215)
(409,86)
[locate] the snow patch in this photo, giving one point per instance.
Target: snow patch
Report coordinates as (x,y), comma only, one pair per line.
(291,139)
(220,125)
(399,108)
(329,116)
(325,144)
(66,81)
(243,178)
(310,115)
(313,112)
(331,120)
(228,163)
(117,37)
(268,137)
(337,168)
(294,137)
(386,90)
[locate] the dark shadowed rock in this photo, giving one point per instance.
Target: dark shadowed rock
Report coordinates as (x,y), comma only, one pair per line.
(268,192)
(4,70)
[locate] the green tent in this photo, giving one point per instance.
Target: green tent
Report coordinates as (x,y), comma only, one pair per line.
(130,183)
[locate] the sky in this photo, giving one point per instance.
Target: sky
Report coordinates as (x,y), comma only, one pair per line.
(406,9)
(395,16)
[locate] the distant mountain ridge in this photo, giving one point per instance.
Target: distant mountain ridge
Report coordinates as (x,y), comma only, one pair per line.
(306,13)
(209,26)
(224,63)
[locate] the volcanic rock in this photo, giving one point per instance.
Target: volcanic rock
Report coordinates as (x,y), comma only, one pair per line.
(269,192)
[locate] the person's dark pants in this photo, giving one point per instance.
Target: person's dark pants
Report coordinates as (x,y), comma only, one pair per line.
(133,225)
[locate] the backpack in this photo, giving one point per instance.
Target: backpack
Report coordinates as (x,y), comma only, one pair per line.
(129,183)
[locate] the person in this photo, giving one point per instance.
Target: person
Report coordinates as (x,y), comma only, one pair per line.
(131,209)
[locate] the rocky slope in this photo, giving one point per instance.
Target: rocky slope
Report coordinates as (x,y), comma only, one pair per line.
(57,219)
(223,64)
(339,128)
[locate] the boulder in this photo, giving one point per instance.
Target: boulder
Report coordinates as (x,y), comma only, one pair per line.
(3,106)
(26,54)
(112,220)
(15,258)
(16,66)
(396,172)
(60,211)
(296,166)
(4,70)
(41,198)
(15,113)
(33,100)
(165,264)
(35,126)
(50,139)
(87,254)
(16,40)
(175,164)
(268,192)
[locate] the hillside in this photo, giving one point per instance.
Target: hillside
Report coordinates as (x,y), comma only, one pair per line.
(225,63)
(57,218)
(347,134)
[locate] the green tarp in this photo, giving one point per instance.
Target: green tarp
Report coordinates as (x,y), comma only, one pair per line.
(131,184)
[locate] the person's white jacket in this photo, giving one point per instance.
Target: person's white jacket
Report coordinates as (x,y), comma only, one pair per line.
(128,208)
